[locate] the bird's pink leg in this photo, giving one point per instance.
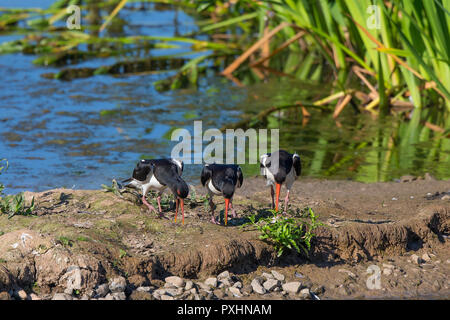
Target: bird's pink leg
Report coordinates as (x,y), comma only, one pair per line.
(159,203)
(233,212)
(211,204)
(286,201)
(149,206)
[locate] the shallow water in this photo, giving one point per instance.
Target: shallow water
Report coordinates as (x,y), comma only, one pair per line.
(83,133)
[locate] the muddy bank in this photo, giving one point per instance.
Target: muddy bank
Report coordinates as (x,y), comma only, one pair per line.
(81,239)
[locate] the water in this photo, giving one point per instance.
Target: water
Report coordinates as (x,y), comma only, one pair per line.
(83,133)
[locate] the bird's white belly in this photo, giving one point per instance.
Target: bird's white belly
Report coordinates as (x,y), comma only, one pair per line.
(269,176)
(212,188)
(152,184)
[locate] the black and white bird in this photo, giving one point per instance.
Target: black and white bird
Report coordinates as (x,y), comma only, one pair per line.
(280,167)
(158,175)
(222,180)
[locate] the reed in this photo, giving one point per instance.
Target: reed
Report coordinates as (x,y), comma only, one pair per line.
(400,50)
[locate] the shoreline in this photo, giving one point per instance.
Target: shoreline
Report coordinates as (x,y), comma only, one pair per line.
(89,238)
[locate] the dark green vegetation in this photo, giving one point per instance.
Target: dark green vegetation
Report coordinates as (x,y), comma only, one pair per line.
(294,231)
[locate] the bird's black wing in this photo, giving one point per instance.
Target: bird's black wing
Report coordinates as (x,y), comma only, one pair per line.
(206,174)
(297,164)
(166,171)
(240,177)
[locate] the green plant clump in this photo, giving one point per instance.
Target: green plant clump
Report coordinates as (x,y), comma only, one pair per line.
(13,204)
(295,232)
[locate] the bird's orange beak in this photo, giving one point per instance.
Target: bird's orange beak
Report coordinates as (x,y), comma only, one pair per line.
(176,209)
(278,187)
(227,203)
(182,209)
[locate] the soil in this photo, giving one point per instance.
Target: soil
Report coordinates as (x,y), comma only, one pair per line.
(102,235)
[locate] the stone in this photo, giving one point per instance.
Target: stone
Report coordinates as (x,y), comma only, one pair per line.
(84,297)
(292,287)
(73,278)
(5,296)
(118,284)
(389,266)
(237,285)
(305,293)
(176,281)
(109,296)
(235,292)
(61,296)
(34,296)
(102,290)
(203,286)
(278,276)
(219,293)
(387,271)
(248,289)
(426,257)
(257,287)
(446,197)
(211,282)
(224,275)
(189,285)
(89,293)
(174,292)
(225,282)
(271,284)
(143,289)
(193,290)
(416,259)
(68,291)
(267,275)
(21,294)
(119,296)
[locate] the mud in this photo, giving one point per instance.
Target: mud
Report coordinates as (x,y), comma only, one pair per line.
(86,237)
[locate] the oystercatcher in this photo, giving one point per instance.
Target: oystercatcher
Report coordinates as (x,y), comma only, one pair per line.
(222,180)
(160,174)
(285,170)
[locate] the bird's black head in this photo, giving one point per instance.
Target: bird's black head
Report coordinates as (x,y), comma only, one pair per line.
(180,188)
(142,169)
(228,188)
